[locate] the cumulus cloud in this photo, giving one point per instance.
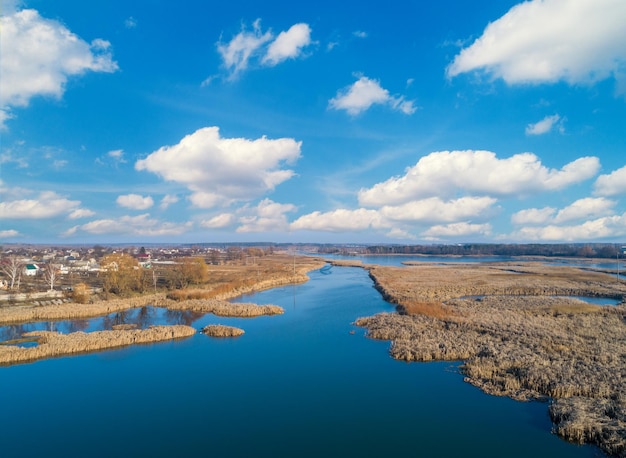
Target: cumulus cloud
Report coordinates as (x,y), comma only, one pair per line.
(268,216)
(581,209)
(142,225)
(288,45)
(47,205)
(39,55)
(544,126)
(366,92)
(223,170)
(81,213)
(478,172)
(260,47)
(435,210)
(596,229)
(545,41)
(168,200)
(613,184)
(135,201)
(9,233)
(586,208)
(533,216)
(457,230)
(220,221)
(340,220)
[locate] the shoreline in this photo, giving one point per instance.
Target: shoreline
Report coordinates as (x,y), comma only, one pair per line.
(517,340)
(70,310)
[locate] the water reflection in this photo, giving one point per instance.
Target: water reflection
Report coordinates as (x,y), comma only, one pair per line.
(139,318)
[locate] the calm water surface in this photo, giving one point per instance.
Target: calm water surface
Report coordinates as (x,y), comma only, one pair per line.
(303,384)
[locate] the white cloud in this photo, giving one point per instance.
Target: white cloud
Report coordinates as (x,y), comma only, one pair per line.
(39,55)
(446,172)
(117,155)
(9,233)
(131,225)
(268,216)
(366,92)
(545,41)
(130,23)
(288,45)
(581,209)
(359,34)
(237,52)
(340,220)
(544,126)
(135,201)
(168,200)
(220,221)
(533,216)
(223,170)
(81,213)
(597,229)
(586,208)
(457,230)
(612,184)
(435,210)
(47,205)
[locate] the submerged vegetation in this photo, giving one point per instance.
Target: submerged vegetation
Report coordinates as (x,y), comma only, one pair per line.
(519,336)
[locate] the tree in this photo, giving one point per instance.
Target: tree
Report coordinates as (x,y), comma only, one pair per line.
(187,271)
(12,267)
(50,275)
(81,293)
(122,273)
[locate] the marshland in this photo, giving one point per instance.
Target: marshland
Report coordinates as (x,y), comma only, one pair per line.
(329,388)
(522,331)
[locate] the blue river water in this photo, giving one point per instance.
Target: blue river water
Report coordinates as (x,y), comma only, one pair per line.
(304,384)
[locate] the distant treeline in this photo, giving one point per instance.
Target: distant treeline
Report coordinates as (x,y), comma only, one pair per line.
(593,250)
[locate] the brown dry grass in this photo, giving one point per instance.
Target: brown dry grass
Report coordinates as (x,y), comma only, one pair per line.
(430,309)
(52,344)
(523,339)
(218,330)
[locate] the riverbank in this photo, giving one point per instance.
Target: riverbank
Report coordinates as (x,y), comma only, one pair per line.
(226,282)
(53,344)
(519,336)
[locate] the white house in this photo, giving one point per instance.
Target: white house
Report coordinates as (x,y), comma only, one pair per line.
(30,270)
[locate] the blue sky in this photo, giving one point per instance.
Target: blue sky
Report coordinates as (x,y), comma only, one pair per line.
(391,122)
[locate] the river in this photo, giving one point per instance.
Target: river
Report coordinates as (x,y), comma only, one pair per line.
(303,384)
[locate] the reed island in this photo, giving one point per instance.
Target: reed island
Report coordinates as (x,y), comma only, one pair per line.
(520,330)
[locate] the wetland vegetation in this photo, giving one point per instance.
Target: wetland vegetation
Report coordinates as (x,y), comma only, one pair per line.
(518,335)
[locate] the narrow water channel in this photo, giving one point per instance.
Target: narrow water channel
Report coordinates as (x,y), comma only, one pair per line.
(303,384)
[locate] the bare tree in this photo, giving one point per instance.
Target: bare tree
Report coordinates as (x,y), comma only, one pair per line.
(12,267)
(50,275)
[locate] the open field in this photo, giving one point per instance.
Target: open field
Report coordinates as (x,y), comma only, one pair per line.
(518,337)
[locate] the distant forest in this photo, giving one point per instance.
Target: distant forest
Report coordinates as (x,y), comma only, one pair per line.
(593,250)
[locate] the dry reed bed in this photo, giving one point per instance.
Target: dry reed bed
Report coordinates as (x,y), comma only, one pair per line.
(72,310)
(223,308)
(52,344)
(525,346)
(219,330)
